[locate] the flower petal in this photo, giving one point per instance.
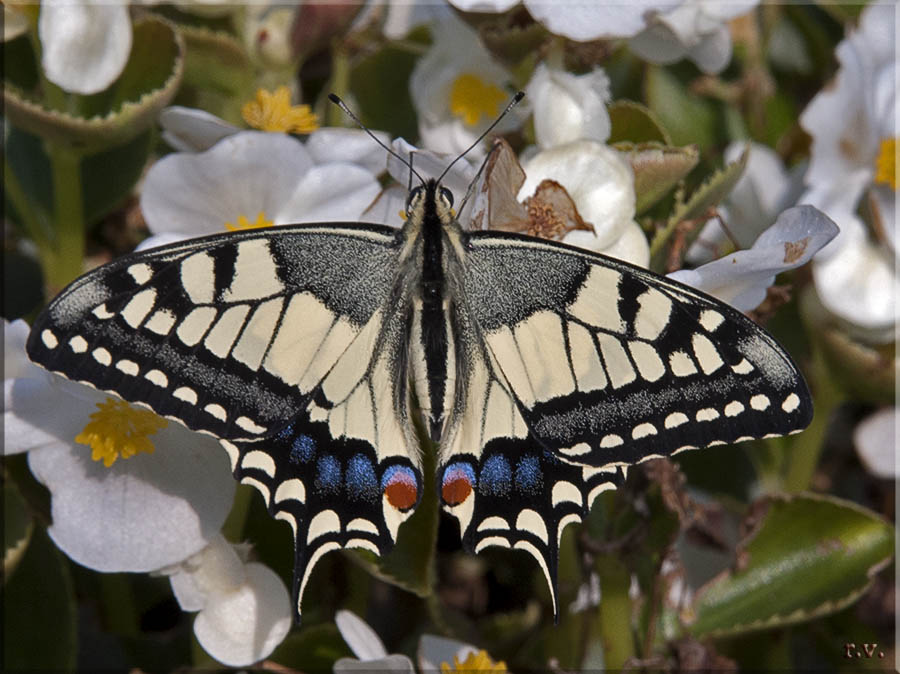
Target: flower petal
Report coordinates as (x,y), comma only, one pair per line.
(875,439)
(569,107)
(329,193)
(245,625)
(362,639)
(243,174)
(85,44)
(595,20)
(142,513)
(193,130)
(858,283)
(741,278)
(354,146)
(599,181)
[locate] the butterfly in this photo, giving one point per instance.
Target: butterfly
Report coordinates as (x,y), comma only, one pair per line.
(540,371)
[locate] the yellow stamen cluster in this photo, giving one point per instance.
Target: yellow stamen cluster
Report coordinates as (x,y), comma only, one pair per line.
(471,98)
(886,163)
(244,223)
(118,429)
(272,111)
(475,662)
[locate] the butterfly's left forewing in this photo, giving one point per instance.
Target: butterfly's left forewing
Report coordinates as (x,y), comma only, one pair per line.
(287,344)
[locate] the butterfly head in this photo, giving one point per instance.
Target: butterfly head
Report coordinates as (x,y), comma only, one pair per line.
(430,196)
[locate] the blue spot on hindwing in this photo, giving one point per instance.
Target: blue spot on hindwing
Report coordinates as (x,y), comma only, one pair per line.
(328,474)
(529,477)
(397,473)
(496,476)
(362,483)
(302,449)
(459,470)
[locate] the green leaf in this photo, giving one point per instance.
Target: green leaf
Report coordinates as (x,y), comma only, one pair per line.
(808,556)
(39,611)
(688,118)
(130,106)
(657,169)
(18,526)
(634,122)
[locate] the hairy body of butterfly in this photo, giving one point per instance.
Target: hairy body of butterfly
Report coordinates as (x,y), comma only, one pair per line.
(541,371)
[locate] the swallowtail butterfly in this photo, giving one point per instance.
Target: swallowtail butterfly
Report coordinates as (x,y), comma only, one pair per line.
(541,371)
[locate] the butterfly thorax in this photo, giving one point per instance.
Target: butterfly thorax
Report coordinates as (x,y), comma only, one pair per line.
(432,362)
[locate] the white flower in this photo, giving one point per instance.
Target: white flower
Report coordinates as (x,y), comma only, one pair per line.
(875,438)
(695,29)
(764,190)
(250,179)
(244,608)
(134,514)
(601,185)
(742,277)
(661,31)
(459,90)
(84,45)
(569,107)
(853,158)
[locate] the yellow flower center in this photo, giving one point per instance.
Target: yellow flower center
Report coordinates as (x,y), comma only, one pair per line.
(118,429)
(244,223)
(475,662)
(471,97)
(886,163)
(272,111)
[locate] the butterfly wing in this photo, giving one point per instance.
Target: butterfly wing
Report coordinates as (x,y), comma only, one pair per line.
(583,365)
(282,343)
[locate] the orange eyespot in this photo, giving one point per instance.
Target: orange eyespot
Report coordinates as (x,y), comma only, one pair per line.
(456,491)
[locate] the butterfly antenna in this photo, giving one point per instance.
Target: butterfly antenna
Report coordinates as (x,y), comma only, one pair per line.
(334,98)
(515,100)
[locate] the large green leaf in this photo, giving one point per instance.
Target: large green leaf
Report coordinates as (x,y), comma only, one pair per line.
(806,556)
(129,106)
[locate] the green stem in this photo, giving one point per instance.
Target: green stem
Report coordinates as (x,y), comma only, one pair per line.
(615,612)
(68,217)
(803,455)
(32,217)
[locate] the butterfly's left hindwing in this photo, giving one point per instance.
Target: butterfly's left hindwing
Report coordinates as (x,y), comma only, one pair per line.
(287,344)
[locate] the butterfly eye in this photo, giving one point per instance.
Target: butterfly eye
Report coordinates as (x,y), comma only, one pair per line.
(447,196)
(414,194)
